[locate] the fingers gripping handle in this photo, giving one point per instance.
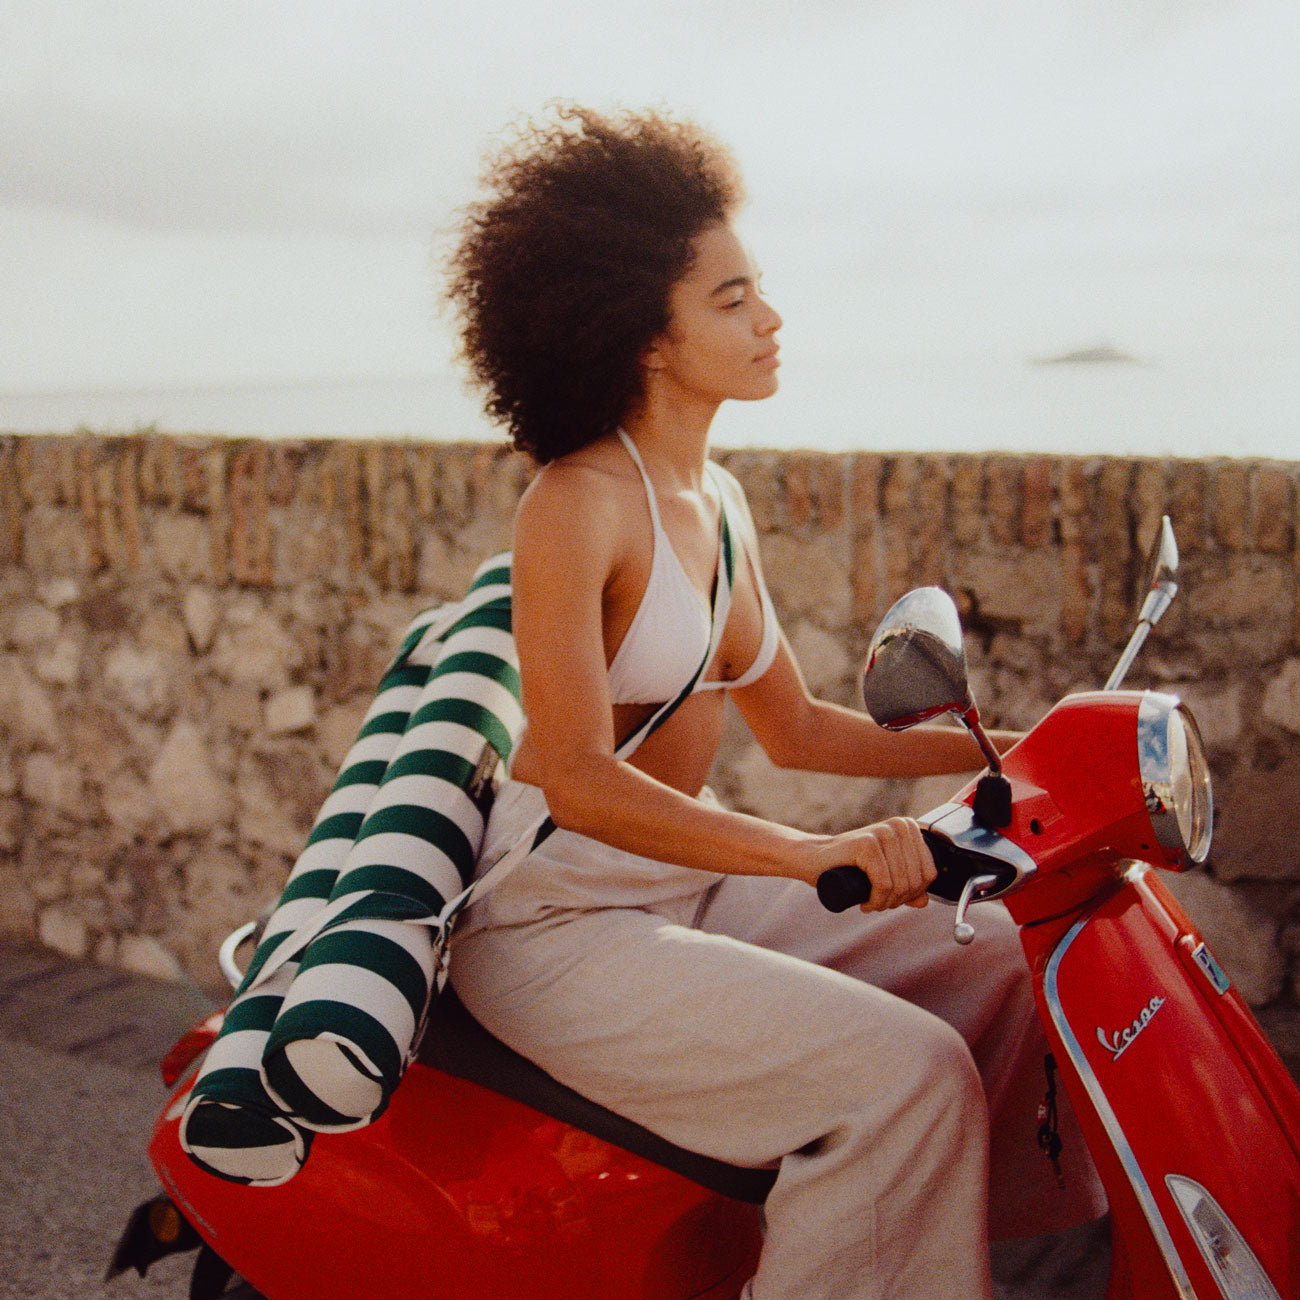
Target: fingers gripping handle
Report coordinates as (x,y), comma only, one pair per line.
(843,887)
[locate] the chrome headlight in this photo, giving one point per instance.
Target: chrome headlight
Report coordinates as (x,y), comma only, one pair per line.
(1175,776)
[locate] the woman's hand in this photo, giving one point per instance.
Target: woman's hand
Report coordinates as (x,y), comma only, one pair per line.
(892,853)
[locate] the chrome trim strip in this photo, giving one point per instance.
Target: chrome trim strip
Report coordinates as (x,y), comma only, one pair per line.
(1114,1130)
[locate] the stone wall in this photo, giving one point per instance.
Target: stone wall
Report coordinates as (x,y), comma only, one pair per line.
(190,630)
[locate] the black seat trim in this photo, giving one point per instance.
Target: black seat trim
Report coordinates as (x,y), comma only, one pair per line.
(457,1044)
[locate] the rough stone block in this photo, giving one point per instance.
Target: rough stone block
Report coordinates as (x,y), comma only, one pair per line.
(185,789)
(137,676)
(31,625)
(1188,490)
(25,706)
(1274,530)
(1240,590)
(1282,697)
(823,660)
(865,560)
(264,819)
(179,547)
(254,649)
(813,490)
(930,542)
(1022,592)
(1076,593)
(1216,708)
(1037,513)
(290,710)
(337,730)
(1114,549)
(63,931)
(52,783)
(898,502)
(201,615)
(1231,508)
(1242,936)
(1003,477)
(1076,506)
(17,903)
(808,577)
(1253,837)
(55,542)
(58,592)
(60,665)
(128,805)
(1150,502)
(144,955)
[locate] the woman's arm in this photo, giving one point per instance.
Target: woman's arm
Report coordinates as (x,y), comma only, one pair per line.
(569,538)
(798,731)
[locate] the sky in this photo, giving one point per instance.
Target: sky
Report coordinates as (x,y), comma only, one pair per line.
(228,216)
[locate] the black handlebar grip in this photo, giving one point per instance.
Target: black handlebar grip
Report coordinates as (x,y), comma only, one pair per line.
(842,887)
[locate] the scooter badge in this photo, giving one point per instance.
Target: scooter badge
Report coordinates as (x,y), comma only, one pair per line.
(1122,1039)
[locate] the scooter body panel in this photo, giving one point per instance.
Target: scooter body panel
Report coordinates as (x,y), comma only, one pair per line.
(1167,1083)
(457,1193)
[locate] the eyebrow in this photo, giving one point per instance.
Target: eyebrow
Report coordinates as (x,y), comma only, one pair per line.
(737,282)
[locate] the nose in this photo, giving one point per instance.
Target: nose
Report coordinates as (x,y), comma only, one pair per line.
(769,319)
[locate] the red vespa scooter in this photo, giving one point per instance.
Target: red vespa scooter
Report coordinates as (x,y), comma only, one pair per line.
(487,1179)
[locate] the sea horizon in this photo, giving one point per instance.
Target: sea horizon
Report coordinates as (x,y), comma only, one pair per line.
(1100,403)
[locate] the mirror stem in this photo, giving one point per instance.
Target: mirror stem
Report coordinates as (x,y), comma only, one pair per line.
(1114,681)
(970,718)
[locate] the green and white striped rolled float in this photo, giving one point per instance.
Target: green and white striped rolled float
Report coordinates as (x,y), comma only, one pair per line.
(231,1125)
(349,1023)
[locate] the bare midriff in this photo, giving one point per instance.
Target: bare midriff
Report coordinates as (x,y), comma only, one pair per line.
(679,753)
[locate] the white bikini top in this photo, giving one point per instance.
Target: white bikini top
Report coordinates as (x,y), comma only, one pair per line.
(670,632)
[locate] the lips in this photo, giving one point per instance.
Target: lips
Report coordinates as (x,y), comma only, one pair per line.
(770,359)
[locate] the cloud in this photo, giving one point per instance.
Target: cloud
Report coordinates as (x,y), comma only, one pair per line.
(366,118)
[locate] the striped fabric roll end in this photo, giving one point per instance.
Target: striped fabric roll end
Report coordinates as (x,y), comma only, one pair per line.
(344,1035)
(255,1148)
(231,1126)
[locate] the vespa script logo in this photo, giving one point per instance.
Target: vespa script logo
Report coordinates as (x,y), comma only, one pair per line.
(1122,1039)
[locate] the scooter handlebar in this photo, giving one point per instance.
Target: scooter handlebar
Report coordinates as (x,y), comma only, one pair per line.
(842,887)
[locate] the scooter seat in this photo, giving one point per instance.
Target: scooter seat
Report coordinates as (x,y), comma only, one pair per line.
(457,1044)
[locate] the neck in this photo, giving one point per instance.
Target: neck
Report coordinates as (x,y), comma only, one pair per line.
(672,435)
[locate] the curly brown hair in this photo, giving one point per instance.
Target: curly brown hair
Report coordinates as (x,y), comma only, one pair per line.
(563,272)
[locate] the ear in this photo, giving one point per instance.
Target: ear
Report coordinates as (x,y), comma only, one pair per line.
(652,358)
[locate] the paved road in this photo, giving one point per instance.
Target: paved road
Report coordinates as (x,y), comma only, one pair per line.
(79,1091)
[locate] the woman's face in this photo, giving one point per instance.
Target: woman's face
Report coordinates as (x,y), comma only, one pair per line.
(721,335)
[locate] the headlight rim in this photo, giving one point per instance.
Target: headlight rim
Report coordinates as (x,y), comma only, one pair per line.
(1156,769)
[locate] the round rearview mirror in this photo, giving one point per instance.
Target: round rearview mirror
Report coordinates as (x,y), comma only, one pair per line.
(916,665)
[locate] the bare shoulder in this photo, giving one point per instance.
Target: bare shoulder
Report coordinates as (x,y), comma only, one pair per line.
(575,506)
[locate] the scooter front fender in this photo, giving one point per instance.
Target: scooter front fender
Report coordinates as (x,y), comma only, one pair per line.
(1172,1079)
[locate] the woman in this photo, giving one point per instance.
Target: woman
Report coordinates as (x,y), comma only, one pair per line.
(659,953)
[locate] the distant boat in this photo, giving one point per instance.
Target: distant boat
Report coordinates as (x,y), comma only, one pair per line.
(1097,354)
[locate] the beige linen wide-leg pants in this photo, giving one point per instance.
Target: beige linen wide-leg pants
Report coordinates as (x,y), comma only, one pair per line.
(869,1056)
